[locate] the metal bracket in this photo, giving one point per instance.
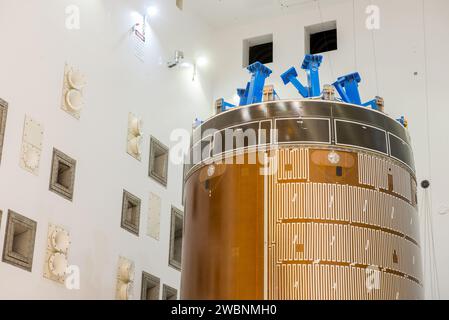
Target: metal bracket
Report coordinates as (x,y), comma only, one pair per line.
(311,65)
(348,88)
(259,74)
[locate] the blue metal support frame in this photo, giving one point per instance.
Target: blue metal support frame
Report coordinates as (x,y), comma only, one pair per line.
(259,74)
(290,76)
(312,65)
(225,106)
(403,121)
(197,123)
(348,88)
(243,94)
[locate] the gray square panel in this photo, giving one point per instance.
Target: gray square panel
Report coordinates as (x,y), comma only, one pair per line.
(158,167)
(20,235)
(169,293)
(130,213)
(150,287)
(3,114)
(176,233)
(62,179)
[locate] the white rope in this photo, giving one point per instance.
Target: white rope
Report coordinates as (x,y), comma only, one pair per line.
(331,68)
(431,255)
(354,33)
(373,38)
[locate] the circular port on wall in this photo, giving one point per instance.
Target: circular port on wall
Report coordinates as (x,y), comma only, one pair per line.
(76,79)
(31,158)
(74,99)
(126,271)
(60,240)
(124,290)
(134,145)
(136,127)
(58,264)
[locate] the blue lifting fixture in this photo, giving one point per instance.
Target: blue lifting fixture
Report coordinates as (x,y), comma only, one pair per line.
(403,121)
(372,104)
(254,89)
(243,94)
(348,88)
(225,106)
(197,123)
(312,65)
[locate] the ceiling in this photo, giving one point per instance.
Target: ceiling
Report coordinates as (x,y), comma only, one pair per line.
(219,13)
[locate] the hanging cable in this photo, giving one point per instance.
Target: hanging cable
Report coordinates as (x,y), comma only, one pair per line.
(331,68)
(373,38)
(431,255)
(354,33)
(428,246)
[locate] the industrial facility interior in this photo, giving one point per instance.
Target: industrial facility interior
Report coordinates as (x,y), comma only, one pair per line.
(224,149)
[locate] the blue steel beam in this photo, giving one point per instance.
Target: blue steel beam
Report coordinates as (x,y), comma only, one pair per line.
(290,76)
(259,74)
(403,121)
(372,104)
(226,105)
(348,88)
(312,65)
(243,94)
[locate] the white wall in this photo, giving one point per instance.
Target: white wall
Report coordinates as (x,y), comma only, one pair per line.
(34,47)
(399,51)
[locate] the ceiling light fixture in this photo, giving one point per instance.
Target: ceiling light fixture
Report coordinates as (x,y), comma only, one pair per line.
(178,58)
(202,62)
(152,11)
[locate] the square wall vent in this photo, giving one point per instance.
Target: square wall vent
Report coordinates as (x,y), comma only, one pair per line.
(258,49)
(20,236)
(158,168)
(3,113)
(62,179)
(130,213)
(180,4)
(322,37)
(150,287)
(176,233)
(169,293)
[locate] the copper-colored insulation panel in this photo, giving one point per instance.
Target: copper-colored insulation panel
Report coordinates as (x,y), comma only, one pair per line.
(225,219)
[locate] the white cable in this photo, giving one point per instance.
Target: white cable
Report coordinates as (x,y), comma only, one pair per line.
(373,38)
(331,68)
(354,33)
(435,290)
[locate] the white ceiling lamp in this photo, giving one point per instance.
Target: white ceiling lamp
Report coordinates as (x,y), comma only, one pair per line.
(152,11)
(177,59)
(202,62)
